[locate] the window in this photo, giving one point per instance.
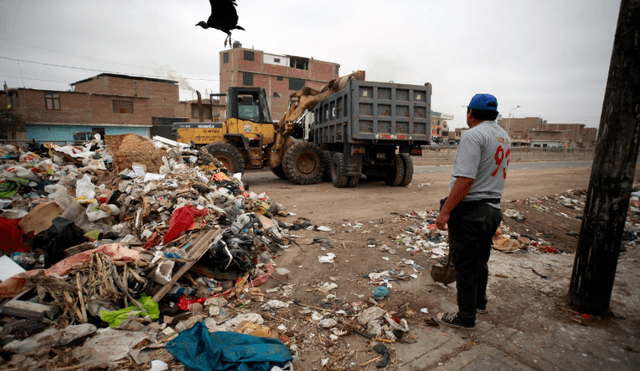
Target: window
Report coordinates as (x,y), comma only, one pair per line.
(225,57)
(276,60)
(247,79)
(248,55)
(296,84)
(52,100)
(206,111)
(279,78)
(122,106)
(299,63)
(276,94)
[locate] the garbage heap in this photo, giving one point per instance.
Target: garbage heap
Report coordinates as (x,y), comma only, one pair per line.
(117,232)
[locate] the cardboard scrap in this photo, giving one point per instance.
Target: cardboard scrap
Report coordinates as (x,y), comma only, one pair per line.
(40,218)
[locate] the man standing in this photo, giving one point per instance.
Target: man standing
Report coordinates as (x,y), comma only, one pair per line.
(472,209)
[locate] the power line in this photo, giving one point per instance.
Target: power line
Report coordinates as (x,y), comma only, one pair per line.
(101,71)
(88,58)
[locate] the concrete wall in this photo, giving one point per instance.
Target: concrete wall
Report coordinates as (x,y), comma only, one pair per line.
(64,133)
(445,155)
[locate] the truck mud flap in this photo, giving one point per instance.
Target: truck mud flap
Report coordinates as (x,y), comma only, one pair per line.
(352,165)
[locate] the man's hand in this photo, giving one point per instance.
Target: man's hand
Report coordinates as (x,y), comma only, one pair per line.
(458,192)
(442,220)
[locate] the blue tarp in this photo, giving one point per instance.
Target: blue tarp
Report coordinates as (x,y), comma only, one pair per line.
(223,350)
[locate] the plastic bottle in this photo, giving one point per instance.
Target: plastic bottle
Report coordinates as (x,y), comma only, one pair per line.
(239,223)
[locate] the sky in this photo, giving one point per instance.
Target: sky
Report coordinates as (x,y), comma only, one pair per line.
(550,58)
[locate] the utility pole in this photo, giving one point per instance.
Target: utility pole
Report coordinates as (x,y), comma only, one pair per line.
(613,170)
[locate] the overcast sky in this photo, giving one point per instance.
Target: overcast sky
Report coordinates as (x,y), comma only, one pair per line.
(551,58)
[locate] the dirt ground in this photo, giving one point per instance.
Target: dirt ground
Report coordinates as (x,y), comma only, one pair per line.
(375,228)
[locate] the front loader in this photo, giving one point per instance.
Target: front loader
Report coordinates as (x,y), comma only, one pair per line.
(248,139)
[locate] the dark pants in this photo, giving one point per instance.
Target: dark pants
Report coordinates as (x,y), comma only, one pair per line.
(471,229)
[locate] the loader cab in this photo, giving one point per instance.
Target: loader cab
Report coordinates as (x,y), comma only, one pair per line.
(248,104)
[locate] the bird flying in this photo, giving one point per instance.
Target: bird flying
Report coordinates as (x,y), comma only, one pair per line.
(223,17)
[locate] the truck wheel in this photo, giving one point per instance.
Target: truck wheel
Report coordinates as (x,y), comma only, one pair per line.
(408,169)
(326,158)
(338,178)
(395,172)
(352,181)
(228,155)
(279,172)
(302,163)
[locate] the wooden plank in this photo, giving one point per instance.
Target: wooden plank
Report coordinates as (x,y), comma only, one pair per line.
(199,248)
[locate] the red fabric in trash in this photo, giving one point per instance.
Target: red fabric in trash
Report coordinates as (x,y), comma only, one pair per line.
(11,236)
(182,220)
(186,302)
(153,241)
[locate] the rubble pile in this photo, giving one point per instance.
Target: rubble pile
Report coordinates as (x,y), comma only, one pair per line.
(103,237)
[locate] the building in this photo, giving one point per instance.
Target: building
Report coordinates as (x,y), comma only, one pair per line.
(107,104)
(550,138)
(439,129)
(535,132)
(279,75)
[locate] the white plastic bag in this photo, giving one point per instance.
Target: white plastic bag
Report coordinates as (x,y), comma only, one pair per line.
(94,212)
(85,190)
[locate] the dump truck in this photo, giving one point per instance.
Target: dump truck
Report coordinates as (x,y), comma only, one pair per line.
(372,129)
(300,147)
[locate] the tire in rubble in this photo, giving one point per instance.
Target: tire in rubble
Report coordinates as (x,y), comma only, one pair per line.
(326,158)
(338,178)
(279,172)
(302,163)
(408,169)
(228,155)
(395,172)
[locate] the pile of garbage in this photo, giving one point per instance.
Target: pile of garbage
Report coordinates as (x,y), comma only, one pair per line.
(112,235)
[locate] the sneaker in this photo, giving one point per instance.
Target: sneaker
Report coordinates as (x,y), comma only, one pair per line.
(452,319)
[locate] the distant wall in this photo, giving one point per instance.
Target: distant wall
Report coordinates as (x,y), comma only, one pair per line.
(60,133)
(446,155)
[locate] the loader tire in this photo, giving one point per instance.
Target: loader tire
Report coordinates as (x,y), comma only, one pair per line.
(228,155)
(326,158)
(338,178)
(395,172)
(408,169)
(302,163)
(279,172)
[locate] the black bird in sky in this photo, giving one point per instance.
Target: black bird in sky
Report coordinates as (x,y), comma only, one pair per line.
(223,17)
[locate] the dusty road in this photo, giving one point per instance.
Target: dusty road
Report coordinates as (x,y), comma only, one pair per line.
(323,203)
(372,230)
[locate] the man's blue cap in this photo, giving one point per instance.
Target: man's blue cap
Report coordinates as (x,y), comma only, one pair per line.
(485,102)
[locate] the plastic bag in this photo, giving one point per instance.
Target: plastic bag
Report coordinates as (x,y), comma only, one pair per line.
(94,212)
(85,190)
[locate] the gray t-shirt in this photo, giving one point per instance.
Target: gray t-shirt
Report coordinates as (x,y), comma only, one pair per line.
(483,155)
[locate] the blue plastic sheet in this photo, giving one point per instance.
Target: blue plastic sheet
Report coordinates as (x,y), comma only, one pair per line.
(223,350)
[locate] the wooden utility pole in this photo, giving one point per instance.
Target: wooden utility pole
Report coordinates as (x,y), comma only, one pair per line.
(613,170)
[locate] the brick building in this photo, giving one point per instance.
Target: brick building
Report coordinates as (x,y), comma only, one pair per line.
(108,104)
(534,132)
(279,75)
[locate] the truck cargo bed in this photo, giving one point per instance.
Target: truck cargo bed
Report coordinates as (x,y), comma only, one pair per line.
(374,113)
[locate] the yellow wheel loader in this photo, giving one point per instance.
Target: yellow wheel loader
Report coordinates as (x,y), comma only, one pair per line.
(249,139)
